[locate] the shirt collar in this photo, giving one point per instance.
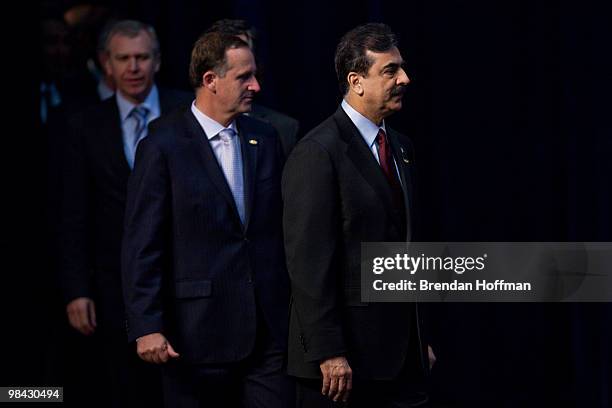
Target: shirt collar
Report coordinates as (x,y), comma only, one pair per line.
(367,128)
(151,103)
(211,127)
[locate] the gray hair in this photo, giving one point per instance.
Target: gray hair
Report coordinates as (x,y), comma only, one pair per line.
(131,29)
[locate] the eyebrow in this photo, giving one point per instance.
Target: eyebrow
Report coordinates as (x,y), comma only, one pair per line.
(246,72)
(394,65)
(135,54)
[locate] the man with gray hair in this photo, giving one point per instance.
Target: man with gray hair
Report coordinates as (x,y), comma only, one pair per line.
(100,154)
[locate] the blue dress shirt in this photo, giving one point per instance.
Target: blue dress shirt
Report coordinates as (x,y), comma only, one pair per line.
(368,130)
(129,123)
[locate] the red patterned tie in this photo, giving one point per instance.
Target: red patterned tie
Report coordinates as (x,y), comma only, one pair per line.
(388,166)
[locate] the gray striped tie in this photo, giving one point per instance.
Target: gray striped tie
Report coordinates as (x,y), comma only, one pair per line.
(231,164)
(139,113)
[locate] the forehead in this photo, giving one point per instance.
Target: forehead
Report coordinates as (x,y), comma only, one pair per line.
(382,59)
(123,44)
(240,58)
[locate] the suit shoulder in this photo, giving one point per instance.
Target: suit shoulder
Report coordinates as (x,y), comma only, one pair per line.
(273,116)
(93,114)
(322,141)
(164,130)
(256,126)
(167,121)
(326,134)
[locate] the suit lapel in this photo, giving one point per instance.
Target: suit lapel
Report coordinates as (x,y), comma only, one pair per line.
(209,161)
(403,159)
(361,156)
(113,137)
(249,143)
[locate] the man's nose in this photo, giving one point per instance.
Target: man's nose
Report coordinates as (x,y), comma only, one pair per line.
(133,64)
(403,78)
(254,85)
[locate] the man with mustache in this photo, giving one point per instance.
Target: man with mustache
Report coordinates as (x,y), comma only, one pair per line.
(347,182)
(206,287)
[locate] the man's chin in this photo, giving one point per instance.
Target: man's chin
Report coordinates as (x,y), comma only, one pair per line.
(139,92)
(246,106)
(395,106)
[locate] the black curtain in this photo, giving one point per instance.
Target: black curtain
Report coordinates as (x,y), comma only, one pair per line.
(509,113)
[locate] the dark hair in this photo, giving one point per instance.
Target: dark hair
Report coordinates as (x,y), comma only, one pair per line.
(351,50)
(131,29)
(209,53)
(233,27)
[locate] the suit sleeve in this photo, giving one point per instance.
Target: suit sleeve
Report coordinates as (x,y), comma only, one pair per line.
(311,228)
(144,253)
(294,129)
(75,234)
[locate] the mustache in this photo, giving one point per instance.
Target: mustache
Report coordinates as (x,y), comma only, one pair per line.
(248,95)
(398,90)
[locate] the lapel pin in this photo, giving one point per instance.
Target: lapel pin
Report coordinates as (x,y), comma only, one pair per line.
(253,141)
(404,156)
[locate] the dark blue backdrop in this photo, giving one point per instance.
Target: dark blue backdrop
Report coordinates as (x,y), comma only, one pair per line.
(509,112)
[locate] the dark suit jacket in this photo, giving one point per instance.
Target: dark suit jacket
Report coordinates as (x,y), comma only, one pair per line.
(286,126)
(336,197)
(95,183)
(191,270)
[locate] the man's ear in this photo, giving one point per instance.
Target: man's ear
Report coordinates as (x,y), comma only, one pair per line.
(107,64)
(209,80)
(157,62)
(354,81)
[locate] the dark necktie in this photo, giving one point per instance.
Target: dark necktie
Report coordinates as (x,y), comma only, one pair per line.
(388,166)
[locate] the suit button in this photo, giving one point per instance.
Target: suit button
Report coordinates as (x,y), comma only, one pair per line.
(246,239)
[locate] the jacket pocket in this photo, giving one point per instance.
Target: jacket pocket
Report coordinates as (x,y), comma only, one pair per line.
(193,289)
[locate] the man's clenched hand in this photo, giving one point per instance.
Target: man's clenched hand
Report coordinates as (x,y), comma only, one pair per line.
(337,378)
(82,315)
(154,348)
